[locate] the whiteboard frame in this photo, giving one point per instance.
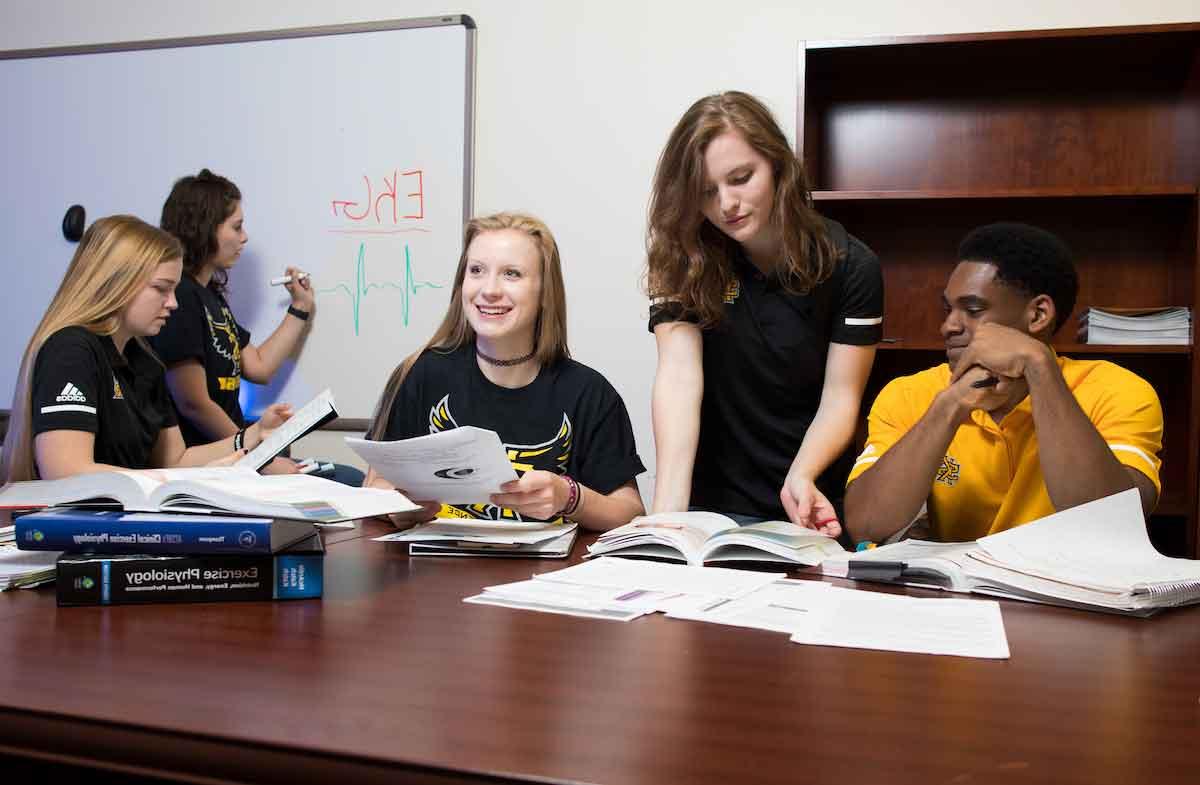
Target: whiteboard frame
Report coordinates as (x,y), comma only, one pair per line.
(341,423)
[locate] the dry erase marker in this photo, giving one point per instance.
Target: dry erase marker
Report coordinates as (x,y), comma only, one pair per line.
(281,280)
(990,381)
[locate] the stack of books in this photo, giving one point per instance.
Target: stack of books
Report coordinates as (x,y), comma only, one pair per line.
(1136,326)
(186,535)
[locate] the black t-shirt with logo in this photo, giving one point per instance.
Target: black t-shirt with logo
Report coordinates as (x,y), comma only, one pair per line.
(82,383)
(203,329)
(569,420)
(764,368)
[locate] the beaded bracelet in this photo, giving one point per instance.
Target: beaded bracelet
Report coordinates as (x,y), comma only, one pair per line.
(572,497)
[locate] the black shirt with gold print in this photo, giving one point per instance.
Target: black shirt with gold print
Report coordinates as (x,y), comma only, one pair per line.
(203,329)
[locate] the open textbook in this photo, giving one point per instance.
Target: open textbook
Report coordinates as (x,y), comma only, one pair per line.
(1095,556)
(314,414)
(699,537)
(463,465)
(228,489)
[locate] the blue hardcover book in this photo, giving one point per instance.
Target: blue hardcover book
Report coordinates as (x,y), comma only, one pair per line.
(99,579)
(77,530)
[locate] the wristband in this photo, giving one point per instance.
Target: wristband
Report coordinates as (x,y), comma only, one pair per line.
(572,497)
(301,315)
(239,439)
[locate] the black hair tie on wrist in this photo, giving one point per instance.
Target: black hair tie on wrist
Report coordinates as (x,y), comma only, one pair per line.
(301,315)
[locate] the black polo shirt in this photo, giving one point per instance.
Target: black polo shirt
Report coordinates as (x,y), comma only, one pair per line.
(202,328)
(764,368)
(82,383)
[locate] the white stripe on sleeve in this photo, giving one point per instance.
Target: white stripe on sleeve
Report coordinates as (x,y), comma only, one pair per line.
(1136,451)
(68,407)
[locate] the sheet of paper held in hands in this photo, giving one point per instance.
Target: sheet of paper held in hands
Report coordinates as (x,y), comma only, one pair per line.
(464,465)
(313,414)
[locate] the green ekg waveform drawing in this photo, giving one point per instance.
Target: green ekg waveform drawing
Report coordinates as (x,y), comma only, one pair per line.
(407,288)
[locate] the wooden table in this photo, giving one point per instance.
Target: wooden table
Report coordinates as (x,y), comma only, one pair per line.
(392,678)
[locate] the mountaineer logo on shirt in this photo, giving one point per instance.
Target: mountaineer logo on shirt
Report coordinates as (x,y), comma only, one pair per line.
(732,291)
(947,473)
(225,343)
(550,455)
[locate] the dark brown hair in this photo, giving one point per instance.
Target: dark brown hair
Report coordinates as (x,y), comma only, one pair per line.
(689,261)
(194,210)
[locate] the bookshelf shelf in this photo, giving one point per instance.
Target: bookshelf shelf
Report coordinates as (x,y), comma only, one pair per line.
(911,142)
(890,345)
(1099,192)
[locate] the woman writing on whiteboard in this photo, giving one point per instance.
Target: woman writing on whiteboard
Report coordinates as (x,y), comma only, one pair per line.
(766,317)
(206,351)
(91,395)
(499,361)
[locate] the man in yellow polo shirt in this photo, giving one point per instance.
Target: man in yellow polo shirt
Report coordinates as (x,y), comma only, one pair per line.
(1007,432)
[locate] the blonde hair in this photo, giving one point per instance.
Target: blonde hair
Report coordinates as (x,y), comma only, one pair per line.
(114,261)
(550,332)
(689,261)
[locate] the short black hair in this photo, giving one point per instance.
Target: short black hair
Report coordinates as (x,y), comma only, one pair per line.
(1028,258)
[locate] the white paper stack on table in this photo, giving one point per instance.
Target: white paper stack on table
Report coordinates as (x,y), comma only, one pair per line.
(811,612)
(1137,326)
(624,589)
(462,537)
(464,465)
(25,569)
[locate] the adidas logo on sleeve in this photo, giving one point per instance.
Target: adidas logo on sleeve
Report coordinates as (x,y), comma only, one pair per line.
(71,399)
(71,393)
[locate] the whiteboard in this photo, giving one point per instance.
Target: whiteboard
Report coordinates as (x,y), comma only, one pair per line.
(352,147)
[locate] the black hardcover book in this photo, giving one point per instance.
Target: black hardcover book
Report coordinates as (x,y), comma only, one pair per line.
(100,579)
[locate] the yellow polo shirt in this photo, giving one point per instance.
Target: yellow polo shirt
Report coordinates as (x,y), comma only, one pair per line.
(990,478)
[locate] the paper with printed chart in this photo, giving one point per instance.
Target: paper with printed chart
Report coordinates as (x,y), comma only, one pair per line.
(464,465)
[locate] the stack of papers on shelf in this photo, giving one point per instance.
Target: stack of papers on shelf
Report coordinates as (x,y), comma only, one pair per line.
(25,569)
(454,537)
(1137,326)
(1096,556)
(811,612)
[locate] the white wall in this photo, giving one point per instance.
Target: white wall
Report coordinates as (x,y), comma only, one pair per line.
(575,99)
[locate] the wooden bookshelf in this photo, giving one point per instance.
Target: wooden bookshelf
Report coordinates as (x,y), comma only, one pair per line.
(1093,134)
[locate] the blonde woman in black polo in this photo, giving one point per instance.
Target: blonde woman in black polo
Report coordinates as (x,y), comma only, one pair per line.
(91,396)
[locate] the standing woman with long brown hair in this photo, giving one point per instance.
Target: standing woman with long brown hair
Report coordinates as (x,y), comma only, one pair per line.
(500,361)
(766,316)
(91,395)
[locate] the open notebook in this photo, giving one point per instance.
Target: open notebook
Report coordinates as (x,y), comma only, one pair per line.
(1095,556)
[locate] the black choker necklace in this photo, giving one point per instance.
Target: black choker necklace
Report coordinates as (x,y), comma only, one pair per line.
(505,363)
